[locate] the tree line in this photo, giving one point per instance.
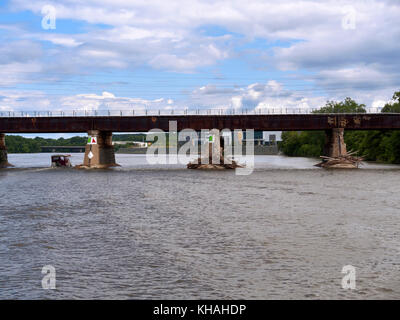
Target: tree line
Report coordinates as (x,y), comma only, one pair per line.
(19,144)
(373,145)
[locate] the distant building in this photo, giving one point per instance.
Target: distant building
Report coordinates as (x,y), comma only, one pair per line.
(277,134)
(139,144)
(271,140)
(258,137)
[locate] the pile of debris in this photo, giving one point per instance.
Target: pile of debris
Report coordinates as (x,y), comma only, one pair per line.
(348,161)
(208,165)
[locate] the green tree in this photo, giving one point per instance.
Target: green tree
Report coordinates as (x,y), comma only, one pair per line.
(346,106)
(374,145)
(395,105)
(18,144)
(311,143)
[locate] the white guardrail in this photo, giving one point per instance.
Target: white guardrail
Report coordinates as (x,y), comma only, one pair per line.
(164,112)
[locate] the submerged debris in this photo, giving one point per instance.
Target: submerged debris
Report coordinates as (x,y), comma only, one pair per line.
(347,161)
(97,166)
(208,165)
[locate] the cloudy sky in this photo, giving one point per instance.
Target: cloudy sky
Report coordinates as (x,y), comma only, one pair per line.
(120,54)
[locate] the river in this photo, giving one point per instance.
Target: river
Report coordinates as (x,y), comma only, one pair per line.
(145,231)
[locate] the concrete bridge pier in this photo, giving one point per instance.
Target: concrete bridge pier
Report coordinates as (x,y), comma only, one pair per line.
(335,152)
(334,143)
(3,152)
(99,151)
(215,149)
(216,155)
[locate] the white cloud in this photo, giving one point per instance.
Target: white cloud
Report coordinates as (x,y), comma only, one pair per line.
(378,103)
(256,96)
(18,100)
(108,101)
(14,100)
(56,39)
(18,73)
(166,35)
(269,95)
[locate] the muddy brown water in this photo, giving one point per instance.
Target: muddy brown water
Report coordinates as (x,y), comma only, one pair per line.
(145,231)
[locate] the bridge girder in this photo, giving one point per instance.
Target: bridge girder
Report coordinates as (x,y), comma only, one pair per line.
(198,122)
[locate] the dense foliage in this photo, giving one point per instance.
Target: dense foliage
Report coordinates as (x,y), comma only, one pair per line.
(382,146)
(18,144)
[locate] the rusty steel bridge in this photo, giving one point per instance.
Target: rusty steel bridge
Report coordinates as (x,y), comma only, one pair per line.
(258,122)
(101,127)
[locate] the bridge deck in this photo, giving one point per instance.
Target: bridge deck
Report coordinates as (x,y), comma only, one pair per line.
(282,122)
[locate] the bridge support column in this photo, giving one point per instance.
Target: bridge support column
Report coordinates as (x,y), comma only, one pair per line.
(215,149)
(216,155)
(3,152)
(335,151)
(334,143)
(99,151)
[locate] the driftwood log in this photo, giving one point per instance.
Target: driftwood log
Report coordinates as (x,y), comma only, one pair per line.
(208,165)
(342,162)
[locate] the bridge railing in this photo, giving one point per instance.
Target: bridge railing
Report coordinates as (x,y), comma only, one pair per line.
(164,112)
